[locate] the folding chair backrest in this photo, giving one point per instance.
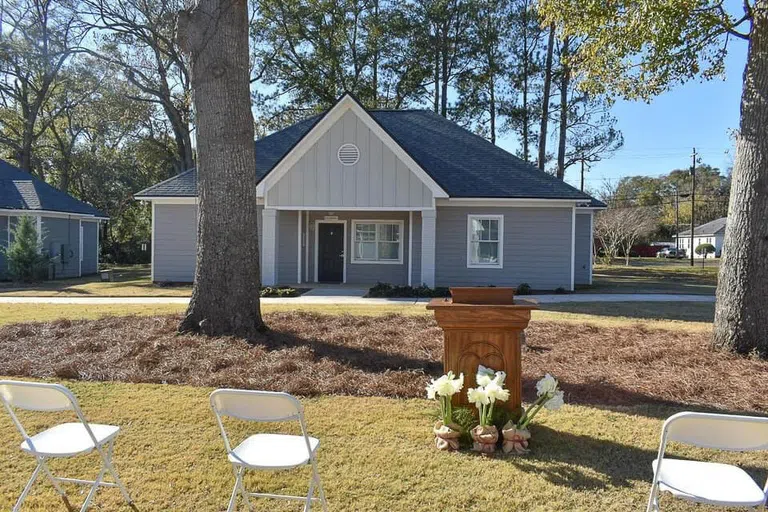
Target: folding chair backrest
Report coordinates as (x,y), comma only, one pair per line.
(36,396)
(718,431)
(265,406)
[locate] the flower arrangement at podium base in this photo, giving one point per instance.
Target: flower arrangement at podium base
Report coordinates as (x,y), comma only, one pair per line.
(447,433)
(490,388)
(485,435)
(516,435)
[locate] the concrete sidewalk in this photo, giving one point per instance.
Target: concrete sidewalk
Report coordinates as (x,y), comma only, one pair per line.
(350,296)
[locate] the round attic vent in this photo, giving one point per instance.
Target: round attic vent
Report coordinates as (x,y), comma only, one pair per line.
(348,154)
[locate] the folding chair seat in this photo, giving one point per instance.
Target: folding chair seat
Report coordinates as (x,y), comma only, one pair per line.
(62,440)
(709,483)
(267,451)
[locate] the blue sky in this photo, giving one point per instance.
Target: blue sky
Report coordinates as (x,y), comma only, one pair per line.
(660,136)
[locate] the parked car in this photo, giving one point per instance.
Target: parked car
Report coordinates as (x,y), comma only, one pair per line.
(671,252)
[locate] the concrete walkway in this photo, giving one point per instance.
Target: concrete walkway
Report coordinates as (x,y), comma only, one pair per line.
(352,296)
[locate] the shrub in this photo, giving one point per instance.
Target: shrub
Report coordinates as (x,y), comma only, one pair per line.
(560,290)
(523,289)
(397,291)
(705,249)
(26,263)
(274,291)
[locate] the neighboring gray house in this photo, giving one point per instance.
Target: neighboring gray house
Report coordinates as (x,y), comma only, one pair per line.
(710,233)
(405,197)
(68,228)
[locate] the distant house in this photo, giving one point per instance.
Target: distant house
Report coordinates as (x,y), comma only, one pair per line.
(68,228)
(709,233)
(400,196)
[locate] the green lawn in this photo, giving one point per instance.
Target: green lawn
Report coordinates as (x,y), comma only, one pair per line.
(651,275)
(129,281)
(376,454)
(655,314)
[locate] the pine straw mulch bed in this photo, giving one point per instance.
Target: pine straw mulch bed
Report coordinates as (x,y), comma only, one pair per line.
(393,355)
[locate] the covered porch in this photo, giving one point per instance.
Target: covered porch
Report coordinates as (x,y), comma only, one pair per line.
(348,247)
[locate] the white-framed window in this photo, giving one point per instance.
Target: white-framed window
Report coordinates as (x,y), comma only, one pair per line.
(377,241)
(485,241)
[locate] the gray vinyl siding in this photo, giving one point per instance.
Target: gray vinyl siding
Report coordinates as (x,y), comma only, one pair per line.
(175,240)
(357,273)
(287,241)
(4,220)
(537,248)
(61,242)
(90,248)
(583,258)
(378,179)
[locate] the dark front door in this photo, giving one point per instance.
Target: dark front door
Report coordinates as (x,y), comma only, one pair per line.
(330,257)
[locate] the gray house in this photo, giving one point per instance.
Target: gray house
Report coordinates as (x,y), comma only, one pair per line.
(405,197)
(68,228)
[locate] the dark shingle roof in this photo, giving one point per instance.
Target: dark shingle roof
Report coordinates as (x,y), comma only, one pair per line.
(19,190)
(710,228)
(462,163)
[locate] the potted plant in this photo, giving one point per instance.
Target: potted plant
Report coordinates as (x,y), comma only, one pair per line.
(446,431)
(516,434)
(490,388)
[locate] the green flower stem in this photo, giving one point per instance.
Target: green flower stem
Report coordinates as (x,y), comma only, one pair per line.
(533,410)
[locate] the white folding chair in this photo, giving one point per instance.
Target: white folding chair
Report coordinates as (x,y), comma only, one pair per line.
(267,451)
(63,440)
(708,482)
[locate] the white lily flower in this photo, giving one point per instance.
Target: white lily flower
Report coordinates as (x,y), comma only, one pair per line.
(484,375)
(500,378)
(431,391)
(496,392)
(556,402)
(458,383)
(547,385)
(478,396)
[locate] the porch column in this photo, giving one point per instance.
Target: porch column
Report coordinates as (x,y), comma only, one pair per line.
(269,249)
(428,230)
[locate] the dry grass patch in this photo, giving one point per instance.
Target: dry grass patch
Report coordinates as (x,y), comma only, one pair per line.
(386,355)
(376,454)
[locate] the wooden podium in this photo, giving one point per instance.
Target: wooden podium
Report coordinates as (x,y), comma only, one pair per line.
(484,326)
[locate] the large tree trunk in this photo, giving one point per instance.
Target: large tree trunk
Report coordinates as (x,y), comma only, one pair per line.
(545,98)
(741,313)
(565,80)
(225,296)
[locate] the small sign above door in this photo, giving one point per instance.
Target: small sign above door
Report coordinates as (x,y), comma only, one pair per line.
(331,217)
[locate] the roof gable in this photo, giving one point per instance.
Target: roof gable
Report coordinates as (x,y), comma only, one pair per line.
(19,190)
(714,227)
(346,103)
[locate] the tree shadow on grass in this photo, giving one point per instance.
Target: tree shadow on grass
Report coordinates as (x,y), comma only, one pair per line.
(367,359)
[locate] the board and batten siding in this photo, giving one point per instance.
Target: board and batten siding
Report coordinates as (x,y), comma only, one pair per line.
(537,248)
(583,260)
(378,179)
(61,241)
(287,243)
(90,247)
(175,239)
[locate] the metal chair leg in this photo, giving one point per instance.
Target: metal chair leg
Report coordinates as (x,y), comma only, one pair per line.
(235,490)
(27,488)
(112,471)
(93,490)
(310,494)
(320,491)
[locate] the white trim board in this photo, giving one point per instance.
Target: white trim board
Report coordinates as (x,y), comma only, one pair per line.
(49,213)
(481,202)
(335,208)
(346,103)
(344,246)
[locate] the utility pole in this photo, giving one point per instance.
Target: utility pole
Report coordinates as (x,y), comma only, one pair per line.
(677,222)
(693,200)
(582,172)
